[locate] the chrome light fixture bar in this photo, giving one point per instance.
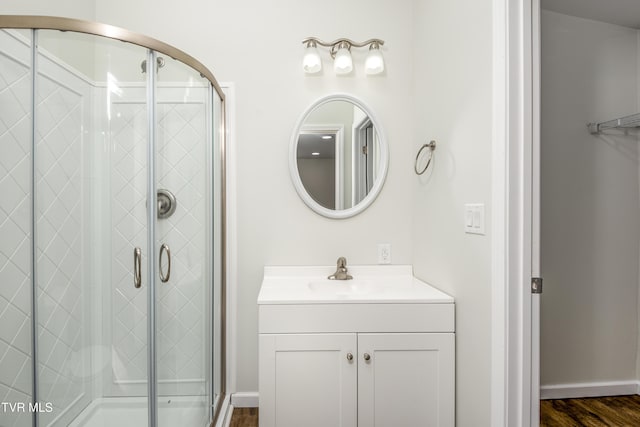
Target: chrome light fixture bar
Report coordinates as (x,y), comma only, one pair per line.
(340,51)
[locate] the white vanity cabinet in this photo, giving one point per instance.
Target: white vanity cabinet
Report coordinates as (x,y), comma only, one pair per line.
(308,380)
(407,381)
(375,351)
(350,380)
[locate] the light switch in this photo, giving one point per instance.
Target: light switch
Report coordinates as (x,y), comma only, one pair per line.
(468,218)
(474,218)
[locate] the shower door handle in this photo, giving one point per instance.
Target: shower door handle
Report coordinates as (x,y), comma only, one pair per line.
(165,248)
(137,267)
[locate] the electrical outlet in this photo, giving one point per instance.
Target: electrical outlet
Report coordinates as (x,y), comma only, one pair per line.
(384,253)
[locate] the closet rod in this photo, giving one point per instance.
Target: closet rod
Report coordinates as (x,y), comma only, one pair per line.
(632,121)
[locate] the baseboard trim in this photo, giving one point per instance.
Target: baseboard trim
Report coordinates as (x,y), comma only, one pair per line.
(245,399)
(572,391)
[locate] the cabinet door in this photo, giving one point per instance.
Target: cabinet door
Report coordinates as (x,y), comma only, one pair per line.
(308,380)
(408,380)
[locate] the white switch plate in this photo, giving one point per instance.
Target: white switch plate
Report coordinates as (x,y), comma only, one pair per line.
(384,253)
(474,218)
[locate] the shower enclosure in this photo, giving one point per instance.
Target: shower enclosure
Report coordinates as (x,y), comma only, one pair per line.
(111,229)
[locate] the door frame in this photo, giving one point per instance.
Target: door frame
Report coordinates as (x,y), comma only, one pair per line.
(337,130)
(359,188)
(515,219)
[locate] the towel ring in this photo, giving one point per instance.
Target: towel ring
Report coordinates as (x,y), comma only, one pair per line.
(431,146)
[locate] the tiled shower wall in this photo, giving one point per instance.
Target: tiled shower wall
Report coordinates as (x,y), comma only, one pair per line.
(126,306)
(61,256)
(182,161)
(181,169)
(62,335)
(15,225)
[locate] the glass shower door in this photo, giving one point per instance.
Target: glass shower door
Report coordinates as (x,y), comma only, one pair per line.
(91,186)
(183,249)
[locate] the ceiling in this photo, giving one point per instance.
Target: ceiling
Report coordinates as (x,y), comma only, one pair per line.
(314,143)
(619,12)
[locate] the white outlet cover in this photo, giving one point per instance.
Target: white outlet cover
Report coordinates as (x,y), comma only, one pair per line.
(384,253)
(474,218)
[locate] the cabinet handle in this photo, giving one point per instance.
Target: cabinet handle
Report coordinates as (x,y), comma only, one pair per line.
(367,357)
(349,357)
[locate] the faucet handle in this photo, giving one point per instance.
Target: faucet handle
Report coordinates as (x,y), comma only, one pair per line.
(342,262)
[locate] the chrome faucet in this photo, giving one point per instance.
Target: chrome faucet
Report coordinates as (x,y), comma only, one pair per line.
(341,271)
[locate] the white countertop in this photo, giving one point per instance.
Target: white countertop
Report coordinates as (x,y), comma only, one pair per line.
(377,284)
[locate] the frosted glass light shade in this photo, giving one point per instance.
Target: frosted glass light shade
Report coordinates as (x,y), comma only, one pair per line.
(311,62)
(374,64)
(343,64)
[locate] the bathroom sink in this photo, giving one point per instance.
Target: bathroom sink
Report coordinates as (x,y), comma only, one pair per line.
(370,284)
(379,298)
(343,287)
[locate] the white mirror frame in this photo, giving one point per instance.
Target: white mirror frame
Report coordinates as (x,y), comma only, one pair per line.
(293,160)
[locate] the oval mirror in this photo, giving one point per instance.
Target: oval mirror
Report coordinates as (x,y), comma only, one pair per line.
(338,156)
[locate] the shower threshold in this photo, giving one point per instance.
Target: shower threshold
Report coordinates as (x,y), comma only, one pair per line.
(133,412)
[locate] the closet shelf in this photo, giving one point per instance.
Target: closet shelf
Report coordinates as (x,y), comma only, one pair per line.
(627,122)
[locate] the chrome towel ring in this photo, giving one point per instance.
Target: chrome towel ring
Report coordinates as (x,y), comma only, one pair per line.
(431,145)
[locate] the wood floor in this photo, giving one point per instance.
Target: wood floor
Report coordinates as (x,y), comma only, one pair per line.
(244,417)
(618,411)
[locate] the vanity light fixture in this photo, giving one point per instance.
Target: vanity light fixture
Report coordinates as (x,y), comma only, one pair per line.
(315,153)
(326,137)
(342,62)
(374,64)
(311,61)
(340,51)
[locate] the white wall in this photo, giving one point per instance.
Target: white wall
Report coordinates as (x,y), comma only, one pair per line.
(453,102)
(590,204)
(79,9)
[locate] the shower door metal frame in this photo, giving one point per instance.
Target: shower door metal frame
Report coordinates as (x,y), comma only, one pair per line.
(152,377)
(34,240)
(154,46)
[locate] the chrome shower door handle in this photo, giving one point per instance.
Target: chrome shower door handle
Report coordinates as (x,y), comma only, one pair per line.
(137,267)
(165,248)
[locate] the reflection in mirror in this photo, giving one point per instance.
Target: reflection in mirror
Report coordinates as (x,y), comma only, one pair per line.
(339,158)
